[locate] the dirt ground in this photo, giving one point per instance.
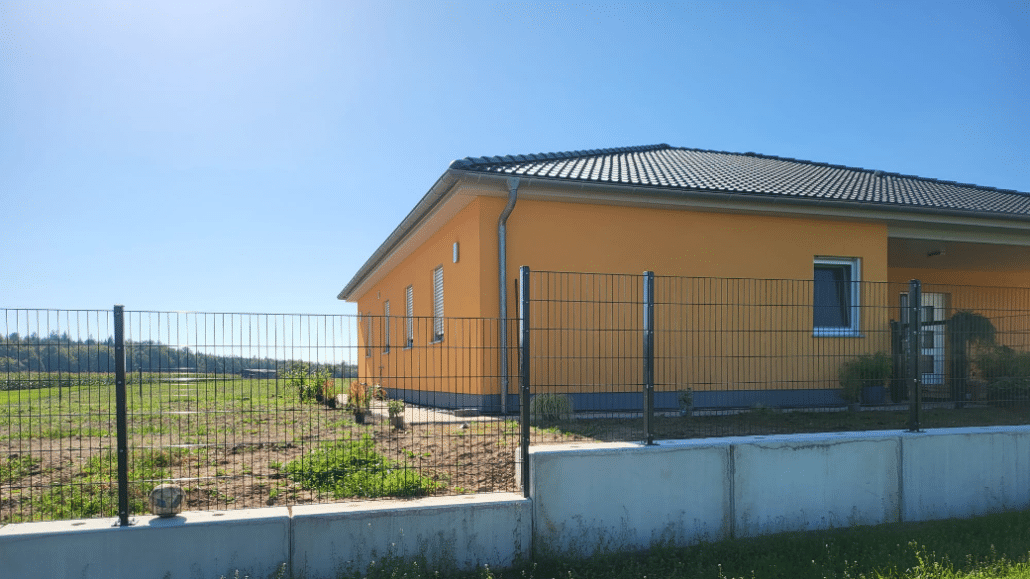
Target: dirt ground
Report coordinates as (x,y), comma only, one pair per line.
(462,455)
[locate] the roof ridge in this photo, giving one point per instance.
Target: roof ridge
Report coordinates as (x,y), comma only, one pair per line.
(562,155)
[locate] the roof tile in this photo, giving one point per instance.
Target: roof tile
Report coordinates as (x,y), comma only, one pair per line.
(665,167)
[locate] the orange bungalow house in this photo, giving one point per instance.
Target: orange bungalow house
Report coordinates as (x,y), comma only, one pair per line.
(770,272)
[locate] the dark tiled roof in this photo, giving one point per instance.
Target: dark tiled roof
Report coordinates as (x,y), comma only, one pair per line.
(662,166)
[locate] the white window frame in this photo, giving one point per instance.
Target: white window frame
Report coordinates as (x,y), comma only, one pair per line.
(409,316)
(368,335)
(386,327)
(438,322)
(853,328)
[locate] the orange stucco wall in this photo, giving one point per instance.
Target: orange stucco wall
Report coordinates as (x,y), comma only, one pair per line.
(714,332)
(763,340)
(453,364)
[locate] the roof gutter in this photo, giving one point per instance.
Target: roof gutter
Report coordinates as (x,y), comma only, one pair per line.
(502,278)
(643,192)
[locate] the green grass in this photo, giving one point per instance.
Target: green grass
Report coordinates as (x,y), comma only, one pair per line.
(86,405)
(991,547)
(93,492)
(15,467)
(354,469)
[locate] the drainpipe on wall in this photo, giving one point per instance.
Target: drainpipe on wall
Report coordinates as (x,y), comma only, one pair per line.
(502,264)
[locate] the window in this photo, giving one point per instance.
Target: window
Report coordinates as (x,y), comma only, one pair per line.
(368,335)
(409,317)
(386,327)
(438,304)
(835,297)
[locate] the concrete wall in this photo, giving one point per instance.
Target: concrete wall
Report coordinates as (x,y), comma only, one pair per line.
(465,531)
(623,495)
(194,545)
(687,491)
(313,541)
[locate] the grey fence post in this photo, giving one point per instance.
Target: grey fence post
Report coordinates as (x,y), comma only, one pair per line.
(524,373)
(120,416)
(915,377)
(648,354)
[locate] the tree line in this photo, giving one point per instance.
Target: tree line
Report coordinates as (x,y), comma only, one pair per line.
(60,353)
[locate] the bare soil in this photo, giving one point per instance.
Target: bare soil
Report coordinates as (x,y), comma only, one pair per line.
(245,469)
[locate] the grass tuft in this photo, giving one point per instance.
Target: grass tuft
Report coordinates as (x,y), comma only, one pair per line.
(355,469)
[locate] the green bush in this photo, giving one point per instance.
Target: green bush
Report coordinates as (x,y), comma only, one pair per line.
(861,371)
(1007,373)
(354,469)
(311,384)
(550,408)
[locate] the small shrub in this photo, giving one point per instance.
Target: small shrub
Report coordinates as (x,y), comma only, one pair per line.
(550,408)
(358,397)
(685,398)
(864,370)
(329,393)
(395,407)
(311,384)
(354,469)
(1007,373)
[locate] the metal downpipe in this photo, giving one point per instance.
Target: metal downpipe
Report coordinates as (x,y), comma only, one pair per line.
(502,265)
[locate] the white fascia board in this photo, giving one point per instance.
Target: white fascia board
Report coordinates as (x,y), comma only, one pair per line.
(455,199)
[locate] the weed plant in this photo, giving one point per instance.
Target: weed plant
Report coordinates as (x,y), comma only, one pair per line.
(550,408)
(15,467)
(354,469)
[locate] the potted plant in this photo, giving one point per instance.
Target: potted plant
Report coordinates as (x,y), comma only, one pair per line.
(864,378)
(686,401)
(328,393)
(357,400)
(396,410)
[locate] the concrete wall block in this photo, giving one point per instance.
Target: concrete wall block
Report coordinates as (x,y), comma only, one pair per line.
(193,545)
(463,532)
(805,482)
(629,496)
(965,472)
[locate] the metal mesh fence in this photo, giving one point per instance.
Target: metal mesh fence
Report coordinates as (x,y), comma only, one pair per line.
(246,410)
(56,424)
(753,356)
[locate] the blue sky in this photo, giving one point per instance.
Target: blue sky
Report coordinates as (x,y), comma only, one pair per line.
(248,157)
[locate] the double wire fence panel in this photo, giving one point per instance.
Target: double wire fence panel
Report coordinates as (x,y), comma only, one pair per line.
(244,410)
(611,358)
(248,410)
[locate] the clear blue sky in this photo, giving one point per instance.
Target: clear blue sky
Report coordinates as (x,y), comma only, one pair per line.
(249,156)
